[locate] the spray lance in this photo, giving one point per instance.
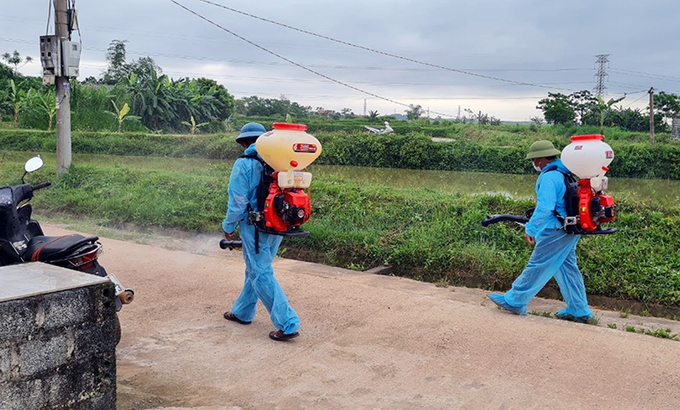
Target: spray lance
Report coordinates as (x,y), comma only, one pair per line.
(224,244)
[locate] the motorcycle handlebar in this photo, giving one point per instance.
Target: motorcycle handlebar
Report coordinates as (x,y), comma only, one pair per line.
(41,186)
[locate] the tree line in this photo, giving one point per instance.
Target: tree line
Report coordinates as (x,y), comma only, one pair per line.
(584,108)
(137,96)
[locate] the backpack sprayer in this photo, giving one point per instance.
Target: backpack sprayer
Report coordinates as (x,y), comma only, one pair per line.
(587,157)
(283,205)
(587,206)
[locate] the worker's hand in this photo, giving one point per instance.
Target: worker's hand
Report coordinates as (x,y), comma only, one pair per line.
(529,239)
(228,236)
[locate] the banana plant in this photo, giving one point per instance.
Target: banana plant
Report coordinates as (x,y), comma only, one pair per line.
(120,114)
(48,103)
(604,107)
(193,126)
(17,98)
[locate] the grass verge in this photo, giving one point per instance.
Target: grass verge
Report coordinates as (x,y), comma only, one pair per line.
(424,234)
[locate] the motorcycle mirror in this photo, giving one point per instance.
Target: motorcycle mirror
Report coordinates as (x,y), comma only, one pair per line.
(33,164)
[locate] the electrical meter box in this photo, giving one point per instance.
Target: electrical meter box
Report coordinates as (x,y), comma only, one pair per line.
(59,58)
(50,51)
(70,54)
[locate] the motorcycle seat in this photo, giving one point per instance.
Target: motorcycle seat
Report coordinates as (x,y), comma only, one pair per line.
(54,248)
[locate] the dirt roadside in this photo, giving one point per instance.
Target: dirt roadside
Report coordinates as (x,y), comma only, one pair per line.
(367,342)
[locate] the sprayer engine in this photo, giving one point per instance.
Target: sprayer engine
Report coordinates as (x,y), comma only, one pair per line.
(594,208)
(587,157)
(286,209)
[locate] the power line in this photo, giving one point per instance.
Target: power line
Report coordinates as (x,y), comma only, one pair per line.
(645,75)
(372,49)
(291,61)
(643,96)
(335,67)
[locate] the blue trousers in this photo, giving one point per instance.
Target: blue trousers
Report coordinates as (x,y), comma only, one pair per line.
(554,256)
(261,284)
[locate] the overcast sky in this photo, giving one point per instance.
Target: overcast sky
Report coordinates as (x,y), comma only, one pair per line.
(518,51)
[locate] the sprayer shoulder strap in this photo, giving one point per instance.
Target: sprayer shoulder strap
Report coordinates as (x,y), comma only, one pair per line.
(570,194)
(257,218)
(265,180)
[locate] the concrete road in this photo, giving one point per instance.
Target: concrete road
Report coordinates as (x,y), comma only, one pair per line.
(367,342)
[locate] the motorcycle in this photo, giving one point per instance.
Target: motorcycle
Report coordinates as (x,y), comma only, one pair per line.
(22,239)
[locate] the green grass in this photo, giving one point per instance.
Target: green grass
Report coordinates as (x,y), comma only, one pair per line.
(494,150)
(425,234)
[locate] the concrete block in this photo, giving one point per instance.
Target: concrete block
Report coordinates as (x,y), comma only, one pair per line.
(59,391)
(57,341)
(82,383)
(5,363)
(95,338)
(101,400)
(43,354)
(18,318)
(67,308)
(104,301)
(26,395)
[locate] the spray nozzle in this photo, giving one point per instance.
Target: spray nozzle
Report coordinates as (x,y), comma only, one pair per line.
(224,244)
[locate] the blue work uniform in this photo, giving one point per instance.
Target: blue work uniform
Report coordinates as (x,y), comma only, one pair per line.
(555,252)
(259,282)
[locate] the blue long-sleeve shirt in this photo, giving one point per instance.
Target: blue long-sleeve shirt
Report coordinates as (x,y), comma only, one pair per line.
(245,177)
(550,190)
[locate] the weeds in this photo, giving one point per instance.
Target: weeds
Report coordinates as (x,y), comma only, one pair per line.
(544,314)
(663,333)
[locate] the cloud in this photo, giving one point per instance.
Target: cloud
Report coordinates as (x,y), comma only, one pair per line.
(549,44)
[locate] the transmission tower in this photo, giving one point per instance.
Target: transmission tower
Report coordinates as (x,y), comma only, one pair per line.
(601,74)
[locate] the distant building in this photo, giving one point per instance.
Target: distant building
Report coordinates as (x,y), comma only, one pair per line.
(675,135)
(327,113)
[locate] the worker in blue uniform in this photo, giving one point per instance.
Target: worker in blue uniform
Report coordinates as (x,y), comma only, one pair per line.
(260,282)
(555,252)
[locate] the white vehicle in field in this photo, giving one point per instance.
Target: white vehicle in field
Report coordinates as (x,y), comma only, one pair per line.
(378,131)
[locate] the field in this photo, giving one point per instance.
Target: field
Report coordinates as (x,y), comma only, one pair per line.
(422,233)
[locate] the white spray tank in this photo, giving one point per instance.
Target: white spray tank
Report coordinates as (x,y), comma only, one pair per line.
(289,149)
(587,157)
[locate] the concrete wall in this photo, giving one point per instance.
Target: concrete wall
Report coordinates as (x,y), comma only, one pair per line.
(57,350)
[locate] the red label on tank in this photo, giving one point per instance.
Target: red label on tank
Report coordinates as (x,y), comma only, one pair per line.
(609,154)
(311,148)
(578,148)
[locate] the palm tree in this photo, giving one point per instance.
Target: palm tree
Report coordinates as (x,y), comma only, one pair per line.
(15,59)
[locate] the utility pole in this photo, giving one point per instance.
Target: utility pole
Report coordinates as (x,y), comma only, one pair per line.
(651,115)
(63,91)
